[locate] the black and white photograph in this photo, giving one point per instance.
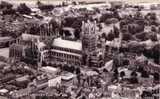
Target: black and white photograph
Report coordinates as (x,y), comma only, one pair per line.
(79,49)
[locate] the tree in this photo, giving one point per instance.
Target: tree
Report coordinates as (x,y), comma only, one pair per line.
(123,23)
(110,21)
(33,29)
(56,24)
(117,60)
(84,59)
(122,74)
(23,9)
(138,15)
(39,3)
(133,78)
(106,16)
(31,56)
(142,36)
(134,28)
(153,36)
(153,29)
(77,23)
(110,36)
(77,26)
(115,75)
(3,59)
(31,53)
(9,12)
(46,7)
(5,5)
(153,16)
(74,3)
(7,8)
(125,62)
(104,35)
(140,69)
(156,53)
(156,76)
(144,74)
(49,42)
(77,34)
(116,14)
(100,27)
(116,31)
(158,30)
(67,33)
(133,74)
(127,36)
(68,22)
(78,70)
(13,30)
(146,94)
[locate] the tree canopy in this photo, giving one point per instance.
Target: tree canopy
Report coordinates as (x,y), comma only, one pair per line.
(23,9)
(5,5)
(44,7)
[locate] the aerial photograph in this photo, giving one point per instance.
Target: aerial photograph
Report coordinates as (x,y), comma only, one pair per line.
(79,49)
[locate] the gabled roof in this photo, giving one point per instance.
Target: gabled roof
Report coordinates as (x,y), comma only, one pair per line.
(59,42)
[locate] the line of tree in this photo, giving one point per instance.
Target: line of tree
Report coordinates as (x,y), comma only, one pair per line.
(45,7)
(23,9)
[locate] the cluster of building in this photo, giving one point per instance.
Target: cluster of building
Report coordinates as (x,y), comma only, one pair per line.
(83,52)
(53,49)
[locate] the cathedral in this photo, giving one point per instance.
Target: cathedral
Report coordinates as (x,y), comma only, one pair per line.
(48,48)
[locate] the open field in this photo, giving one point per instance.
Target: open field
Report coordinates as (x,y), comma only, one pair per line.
(4,52)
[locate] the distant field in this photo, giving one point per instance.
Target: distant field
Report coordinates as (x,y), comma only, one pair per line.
(32,3)
(59,1)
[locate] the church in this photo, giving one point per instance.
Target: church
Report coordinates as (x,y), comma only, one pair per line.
(51,49)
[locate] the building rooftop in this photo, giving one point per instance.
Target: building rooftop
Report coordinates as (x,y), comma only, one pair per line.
(41,45)
(4,39)
(49,69)
(67,44)
(108,65)
(23,78)
(21,92)
(54,82)
(29,37)
(3,91)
